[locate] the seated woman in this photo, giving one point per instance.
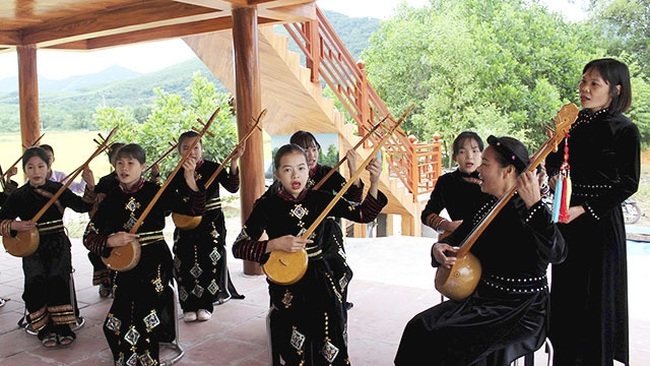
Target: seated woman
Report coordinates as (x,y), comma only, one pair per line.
(308,322)
(505,317)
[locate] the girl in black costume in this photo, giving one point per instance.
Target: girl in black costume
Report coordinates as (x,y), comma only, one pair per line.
(142,311)
(459,191)
(47,271)
(308,321)
(200,256)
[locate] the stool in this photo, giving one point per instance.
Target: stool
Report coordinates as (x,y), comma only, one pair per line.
(79,320)
(174,345)
(529,359)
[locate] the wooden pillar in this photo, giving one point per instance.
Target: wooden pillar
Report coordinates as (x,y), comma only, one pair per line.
(390,225)
(249,100)
(30,126)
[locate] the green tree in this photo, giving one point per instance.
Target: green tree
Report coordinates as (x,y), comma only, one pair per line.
(626,26)
(172,115)
(493,66)
(330,158)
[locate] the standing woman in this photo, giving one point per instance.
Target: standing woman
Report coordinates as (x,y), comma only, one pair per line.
(47,271)
(200,265)
(142,313)
(589,317)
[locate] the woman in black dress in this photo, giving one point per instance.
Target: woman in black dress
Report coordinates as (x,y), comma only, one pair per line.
(589,312)
(505,317)
(308,321)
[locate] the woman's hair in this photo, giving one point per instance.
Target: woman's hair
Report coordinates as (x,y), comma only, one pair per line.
(615,73)
(133,151)
(113,149)
(47,147)
(510,151)
(304,139)
(35,151)
(186,135)
(286,150)
(464,136)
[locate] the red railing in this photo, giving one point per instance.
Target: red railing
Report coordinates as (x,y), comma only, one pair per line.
(417,165)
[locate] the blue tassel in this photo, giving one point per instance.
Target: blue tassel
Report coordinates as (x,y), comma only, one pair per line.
(557,199)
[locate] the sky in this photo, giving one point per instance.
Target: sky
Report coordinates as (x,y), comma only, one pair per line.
(153,56)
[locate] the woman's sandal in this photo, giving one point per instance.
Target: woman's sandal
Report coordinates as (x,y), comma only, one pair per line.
(65,340)
(49,341)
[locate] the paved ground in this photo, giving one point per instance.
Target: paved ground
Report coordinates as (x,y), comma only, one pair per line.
(392,282)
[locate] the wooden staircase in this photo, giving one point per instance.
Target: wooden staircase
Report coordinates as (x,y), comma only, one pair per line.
(293,97)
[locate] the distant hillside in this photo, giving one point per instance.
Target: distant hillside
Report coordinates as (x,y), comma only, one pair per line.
(70,103)
(77,82)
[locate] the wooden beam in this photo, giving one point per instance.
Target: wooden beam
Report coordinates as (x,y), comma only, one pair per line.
(170,31)
(30,126)
(138,16)
(9,38)
(248,99)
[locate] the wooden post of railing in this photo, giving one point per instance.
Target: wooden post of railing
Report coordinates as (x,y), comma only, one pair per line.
(414,170)
(437,157)
(363,101)
(313,45)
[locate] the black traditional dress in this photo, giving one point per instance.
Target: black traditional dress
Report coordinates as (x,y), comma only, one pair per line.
(308,321)
(200,265)
(506,315)
(142,313)
(47,271)
(333,241)
(101,273)
(589,317)
(458,193)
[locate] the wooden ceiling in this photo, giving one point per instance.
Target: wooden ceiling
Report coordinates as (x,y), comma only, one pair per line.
(94,24)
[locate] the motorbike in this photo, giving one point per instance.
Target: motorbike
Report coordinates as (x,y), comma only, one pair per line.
(631,211)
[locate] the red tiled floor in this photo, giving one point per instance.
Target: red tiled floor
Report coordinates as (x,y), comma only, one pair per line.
(392,282)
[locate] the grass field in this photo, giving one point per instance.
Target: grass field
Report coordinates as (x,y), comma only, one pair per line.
(71,150)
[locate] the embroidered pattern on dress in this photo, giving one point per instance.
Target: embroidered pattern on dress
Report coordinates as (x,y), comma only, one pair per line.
(182,293)
(287,298)
(131,205)
(198,290)
(298,211)
(132,336)
(114,324)
(151,321)
(215,256)
(132,361)
(330,351)
(196,270)
(297,339)
(147,360)
(213,287)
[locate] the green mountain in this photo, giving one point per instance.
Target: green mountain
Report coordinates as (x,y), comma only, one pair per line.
(70,103)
